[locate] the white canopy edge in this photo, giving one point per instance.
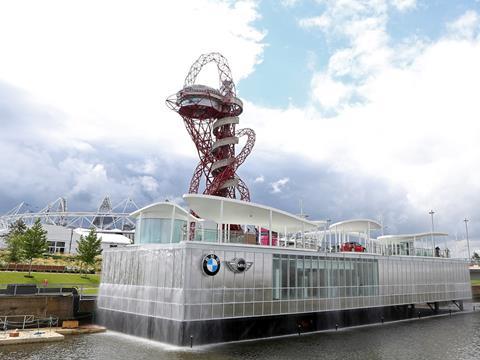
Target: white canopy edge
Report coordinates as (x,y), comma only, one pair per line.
(408,237)
(164,209)
(232,211)
(356,225)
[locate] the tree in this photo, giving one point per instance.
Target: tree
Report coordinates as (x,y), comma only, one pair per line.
(475,256)
(89,247)
(34,243)
(13,239)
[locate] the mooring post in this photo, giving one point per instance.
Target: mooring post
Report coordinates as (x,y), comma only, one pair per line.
(336,327)
(419,315)
(382,319)
(191,341)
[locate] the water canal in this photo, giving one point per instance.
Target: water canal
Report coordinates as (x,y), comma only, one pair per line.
(456,337)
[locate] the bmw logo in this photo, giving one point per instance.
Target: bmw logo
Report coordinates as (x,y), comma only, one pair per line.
(211,264)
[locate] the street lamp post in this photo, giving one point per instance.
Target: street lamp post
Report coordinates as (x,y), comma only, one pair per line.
(431,212)
(468,241)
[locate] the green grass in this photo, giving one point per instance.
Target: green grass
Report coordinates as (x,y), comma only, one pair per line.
(475,282)
(15,277)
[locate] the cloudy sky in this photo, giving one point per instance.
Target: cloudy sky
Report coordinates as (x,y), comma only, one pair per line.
(362,108)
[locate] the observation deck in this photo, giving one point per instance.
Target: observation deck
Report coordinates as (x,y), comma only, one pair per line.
(204,102)
(265,226)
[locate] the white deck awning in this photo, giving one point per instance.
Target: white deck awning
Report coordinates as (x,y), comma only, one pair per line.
(231,211)
(164,210)
(355,226)
(409,237)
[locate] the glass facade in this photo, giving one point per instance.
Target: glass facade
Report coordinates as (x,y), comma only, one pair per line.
(158,231)
(168,281)
(308,277)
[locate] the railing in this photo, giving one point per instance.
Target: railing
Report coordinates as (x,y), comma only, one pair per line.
(60,269)
(292,240)
(84,291)
(319,240)
(26,322)
(33,268)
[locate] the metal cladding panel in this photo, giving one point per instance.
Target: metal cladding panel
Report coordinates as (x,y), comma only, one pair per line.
(353,282)
(169,281)
(144,281)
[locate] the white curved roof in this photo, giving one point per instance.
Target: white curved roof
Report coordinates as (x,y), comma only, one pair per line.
(356,225)
(245,213)
(164,210)
(107,238)
(409,237)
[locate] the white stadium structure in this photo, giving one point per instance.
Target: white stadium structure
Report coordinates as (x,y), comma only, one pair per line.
(64,228)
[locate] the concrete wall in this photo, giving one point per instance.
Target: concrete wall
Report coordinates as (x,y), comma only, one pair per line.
(38,305)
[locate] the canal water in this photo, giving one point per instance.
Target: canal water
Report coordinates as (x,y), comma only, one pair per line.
(456,337)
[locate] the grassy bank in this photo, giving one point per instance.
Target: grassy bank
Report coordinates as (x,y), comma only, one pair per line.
(14,277)
(475,282)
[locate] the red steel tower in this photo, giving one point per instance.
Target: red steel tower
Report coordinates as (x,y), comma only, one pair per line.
(210,117)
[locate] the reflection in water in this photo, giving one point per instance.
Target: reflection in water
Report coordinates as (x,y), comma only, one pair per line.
(456,337)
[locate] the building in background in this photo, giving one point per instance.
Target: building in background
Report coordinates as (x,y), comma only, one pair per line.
(64,227)
(64,240)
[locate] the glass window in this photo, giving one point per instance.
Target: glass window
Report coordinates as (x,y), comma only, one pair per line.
(300,277)
(277,276)
(157,231)
(284,277)
(292,283)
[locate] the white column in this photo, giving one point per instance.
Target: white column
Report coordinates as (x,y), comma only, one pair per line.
(220,229)
(433,246)
(368,227)
(336,239)
(270,228)
(138,230)
(172,223)
(303,235)
(285,236)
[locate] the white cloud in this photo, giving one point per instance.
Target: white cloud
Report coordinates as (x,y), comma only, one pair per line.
(259,179)
(279,185)
(148,166)
(102,70)
(404,5)
(289,3)
(406,114)
(415,125)
(328,92)
(321,22)
(466,26)
(109,65)
(150,185)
